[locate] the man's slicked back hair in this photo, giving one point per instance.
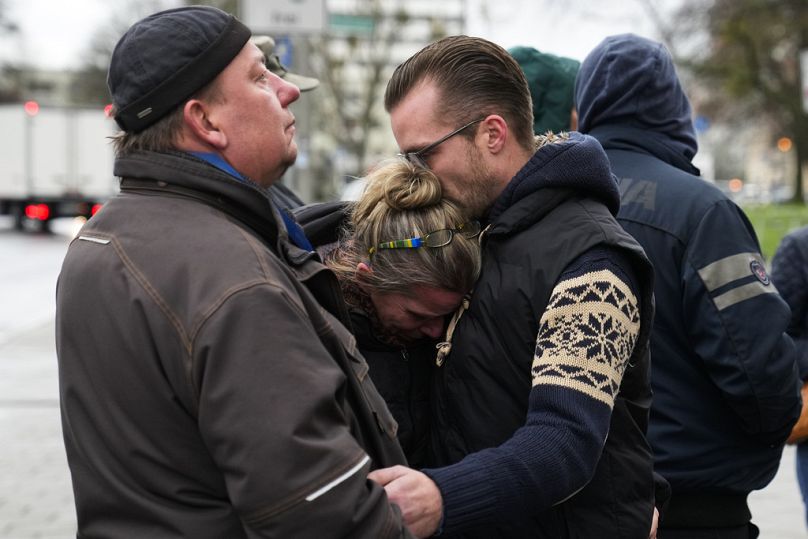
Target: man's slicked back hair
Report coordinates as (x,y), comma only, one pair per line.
(474,77)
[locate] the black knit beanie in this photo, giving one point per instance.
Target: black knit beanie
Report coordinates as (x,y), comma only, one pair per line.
(165,58)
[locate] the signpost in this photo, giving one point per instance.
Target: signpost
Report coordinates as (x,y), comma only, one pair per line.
(280,17)
(804,78)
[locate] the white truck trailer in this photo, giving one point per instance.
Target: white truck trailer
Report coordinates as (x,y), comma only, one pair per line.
(54,162)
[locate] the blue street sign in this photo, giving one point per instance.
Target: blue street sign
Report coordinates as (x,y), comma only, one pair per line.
(284,50)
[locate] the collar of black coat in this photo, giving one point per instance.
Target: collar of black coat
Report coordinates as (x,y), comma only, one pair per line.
(664,147)
(324,222)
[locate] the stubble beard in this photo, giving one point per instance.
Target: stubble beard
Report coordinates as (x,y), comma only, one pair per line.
(477,194)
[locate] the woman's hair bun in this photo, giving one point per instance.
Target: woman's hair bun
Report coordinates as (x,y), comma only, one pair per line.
(399,186)
(406,187)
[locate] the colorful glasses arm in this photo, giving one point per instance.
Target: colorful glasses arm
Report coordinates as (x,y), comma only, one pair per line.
(410,243)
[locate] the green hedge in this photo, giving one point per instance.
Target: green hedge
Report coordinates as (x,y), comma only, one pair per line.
(773,221)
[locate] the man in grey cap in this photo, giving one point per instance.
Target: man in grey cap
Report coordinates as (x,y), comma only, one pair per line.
(273,62)
(284,197)
(208,386)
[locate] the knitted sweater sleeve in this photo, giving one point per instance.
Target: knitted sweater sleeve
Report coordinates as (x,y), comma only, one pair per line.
(585,339)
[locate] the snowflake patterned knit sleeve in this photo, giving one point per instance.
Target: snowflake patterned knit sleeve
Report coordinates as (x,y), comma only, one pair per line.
(585,339)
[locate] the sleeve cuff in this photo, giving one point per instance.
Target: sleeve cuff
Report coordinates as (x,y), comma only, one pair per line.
(468,496)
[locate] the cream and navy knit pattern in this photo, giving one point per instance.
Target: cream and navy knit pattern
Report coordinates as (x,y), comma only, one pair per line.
(585,341)
(587,334)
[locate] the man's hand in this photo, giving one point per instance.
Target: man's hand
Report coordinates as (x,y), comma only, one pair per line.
(800,431)
(416,494)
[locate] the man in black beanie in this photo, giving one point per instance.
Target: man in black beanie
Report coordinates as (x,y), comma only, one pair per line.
(209,388)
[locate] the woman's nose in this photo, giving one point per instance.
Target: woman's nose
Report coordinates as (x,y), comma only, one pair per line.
(433,328)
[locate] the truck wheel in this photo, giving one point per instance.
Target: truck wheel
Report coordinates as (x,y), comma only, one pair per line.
(19,219)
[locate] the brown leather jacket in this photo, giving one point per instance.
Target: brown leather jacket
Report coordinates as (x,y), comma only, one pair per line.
(208,386)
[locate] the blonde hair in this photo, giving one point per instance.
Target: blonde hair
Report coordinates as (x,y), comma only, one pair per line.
(403,201)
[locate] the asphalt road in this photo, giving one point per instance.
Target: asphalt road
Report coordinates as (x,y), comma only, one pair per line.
(36,499)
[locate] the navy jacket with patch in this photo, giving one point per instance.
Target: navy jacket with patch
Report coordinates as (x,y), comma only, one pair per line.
(723,369)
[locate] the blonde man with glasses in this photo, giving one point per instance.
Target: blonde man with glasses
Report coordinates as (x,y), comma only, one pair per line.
(540,408)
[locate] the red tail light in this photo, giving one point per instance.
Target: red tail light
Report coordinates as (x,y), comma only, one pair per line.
(40,212)
(31,108)
(95,209)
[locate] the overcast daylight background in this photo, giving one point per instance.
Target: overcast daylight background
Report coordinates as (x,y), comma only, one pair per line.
(54,33)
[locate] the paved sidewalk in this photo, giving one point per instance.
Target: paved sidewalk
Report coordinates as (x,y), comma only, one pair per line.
(36,500)
(777,509)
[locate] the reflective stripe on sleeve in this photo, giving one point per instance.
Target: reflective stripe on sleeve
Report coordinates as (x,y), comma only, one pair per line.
(322,490)
(94,240)
(747,291)
(722,272)
(726,271)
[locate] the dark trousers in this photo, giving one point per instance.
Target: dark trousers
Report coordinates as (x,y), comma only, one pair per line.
(749,531)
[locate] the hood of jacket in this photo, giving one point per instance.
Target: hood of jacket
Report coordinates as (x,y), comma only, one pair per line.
(575,165)
(627,93)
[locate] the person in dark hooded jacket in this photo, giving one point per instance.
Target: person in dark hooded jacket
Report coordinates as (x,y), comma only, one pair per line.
(724,376)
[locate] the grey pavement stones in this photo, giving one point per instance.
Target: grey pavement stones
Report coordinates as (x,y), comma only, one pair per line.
(777,509)
(36,498)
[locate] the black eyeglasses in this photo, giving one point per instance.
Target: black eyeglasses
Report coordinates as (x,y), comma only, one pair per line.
(417,157)
(438,238)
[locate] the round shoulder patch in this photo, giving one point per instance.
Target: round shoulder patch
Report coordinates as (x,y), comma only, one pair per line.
(760,272)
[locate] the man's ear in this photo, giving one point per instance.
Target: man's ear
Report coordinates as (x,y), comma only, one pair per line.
(197,116)
(495,128)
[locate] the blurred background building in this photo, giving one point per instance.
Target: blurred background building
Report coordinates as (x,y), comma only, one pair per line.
(745,64)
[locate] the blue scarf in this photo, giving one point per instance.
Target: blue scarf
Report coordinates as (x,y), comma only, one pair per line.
(294,230)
